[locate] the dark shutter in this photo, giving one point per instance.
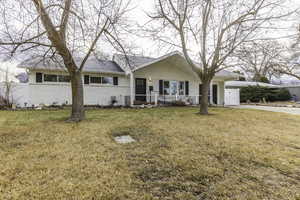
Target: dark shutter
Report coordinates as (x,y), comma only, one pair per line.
(39,77)
(86,79)
(116,81)
(161,89)
(187,89)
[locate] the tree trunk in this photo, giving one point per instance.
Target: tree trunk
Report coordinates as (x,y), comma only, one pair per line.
(204,99)
(78,112)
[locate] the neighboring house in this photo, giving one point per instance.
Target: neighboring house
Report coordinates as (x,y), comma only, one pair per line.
(127,80)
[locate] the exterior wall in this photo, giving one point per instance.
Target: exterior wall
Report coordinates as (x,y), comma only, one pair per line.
(232,97)
(221,92)
(60,93)
(19,94)
(95,94)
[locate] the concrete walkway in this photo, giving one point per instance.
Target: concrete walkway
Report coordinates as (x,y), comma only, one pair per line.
(293,111)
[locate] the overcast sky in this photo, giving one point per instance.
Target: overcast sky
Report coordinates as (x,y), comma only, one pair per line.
(147,47)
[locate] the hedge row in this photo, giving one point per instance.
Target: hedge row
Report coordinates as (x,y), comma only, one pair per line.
(257,94)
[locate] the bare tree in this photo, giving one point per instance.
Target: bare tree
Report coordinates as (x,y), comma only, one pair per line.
(6,94)
(209,31)
(259,58)
(60,31)
(289,66)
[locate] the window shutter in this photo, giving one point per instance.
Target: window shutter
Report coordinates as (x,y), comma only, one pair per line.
(86,79)
(187,89)
(116,81)
(39,77)
(161,89)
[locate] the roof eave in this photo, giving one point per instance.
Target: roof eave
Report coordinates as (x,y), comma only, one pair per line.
(63,70)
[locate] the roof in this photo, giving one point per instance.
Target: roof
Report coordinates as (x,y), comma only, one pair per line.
(291,86)
(92,65)
(139,62)
(133,62)
(239,84)
(121,64)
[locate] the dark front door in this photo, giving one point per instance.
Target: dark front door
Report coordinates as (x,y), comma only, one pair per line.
(140,89)
(215,94)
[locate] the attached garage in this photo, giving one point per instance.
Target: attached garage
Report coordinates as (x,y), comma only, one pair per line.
(232,97)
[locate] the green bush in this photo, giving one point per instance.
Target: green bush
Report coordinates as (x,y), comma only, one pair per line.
(257,93)
(283,95)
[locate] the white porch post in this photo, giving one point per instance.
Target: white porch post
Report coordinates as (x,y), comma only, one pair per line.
(211,93)
(132,89)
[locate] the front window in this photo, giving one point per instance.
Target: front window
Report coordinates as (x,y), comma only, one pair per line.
(50,78)
(107,80)
(173,87)
(64,78)
(96,80)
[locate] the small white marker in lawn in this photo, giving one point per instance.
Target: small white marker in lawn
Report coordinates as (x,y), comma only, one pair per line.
(124,139)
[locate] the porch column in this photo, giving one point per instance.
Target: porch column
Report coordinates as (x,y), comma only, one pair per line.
(211,93)
(132,96)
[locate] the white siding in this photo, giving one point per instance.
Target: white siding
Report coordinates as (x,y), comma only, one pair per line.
(19,93)
(94,94)
(232,97)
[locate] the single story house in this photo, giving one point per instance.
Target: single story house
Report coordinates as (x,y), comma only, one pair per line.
(125,80)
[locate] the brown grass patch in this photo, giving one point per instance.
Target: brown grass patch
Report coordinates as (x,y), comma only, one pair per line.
(233,154)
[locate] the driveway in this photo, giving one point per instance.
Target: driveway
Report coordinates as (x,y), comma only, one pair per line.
(293,111)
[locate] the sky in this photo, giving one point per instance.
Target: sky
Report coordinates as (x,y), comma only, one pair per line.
(149,48)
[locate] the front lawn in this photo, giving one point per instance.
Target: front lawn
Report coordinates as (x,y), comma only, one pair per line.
(232,154)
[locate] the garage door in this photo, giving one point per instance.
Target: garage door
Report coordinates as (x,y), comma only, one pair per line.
(232,97)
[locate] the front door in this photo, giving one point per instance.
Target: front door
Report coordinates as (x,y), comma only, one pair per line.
(140,89)
(215,94)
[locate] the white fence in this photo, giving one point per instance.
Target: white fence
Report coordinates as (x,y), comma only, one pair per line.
(232,97)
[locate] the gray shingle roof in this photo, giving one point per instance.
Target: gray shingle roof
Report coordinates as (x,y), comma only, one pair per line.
(137,62)
(92,65)
(133,62)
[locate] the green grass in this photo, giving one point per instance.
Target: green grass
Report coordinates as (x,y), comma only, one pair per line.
(232,154)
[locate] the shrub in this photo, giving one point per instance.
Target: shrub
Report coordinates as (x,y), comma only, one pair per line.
(257,93)
(178,103)
(283,95)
